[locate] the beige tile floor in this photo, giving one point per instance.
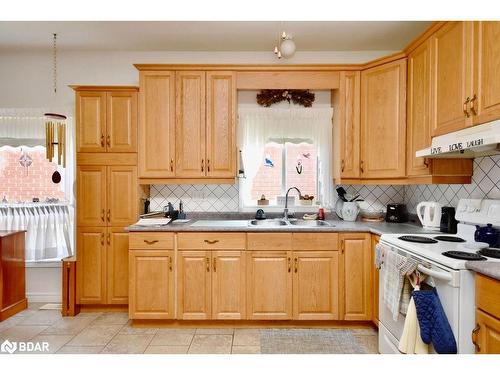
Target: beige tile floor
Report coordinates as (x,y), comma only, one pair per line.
(111,332)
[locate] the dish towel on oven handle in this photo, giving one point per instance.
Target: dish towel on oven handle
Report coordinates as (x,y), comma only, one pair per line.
(393,282)
(434,325)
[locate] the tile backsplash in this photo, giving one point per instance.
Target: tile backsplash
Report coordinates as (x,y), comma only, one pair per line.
(224,198)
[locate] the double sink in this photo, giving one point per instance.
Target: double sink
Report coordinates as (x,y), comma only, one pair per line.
(268,223)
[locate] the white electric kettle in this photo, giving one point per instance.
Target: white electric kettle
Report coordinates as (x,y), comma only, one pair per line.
(429,214)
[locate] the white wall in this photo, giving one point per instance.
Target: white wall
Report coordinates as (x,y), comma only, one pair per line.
(26,78)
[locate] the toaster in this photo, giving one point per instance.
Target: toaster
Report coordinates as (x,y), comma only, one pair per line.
(396,213)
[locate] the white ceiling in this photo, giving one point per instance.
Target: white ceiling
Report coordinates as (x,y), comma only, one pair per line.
(209,36)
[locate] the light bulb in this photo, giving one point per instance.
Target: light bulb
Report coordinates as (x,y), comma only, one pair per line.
(287,48)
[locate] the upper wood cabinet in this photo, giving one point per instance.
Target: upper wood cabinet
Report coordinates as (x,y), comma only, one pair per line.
(485,100)
(106,120)
(356,263)
(220,124)
(157,124)
(383,121)
(451,77)
(190,124)
(91,195)
(349,107)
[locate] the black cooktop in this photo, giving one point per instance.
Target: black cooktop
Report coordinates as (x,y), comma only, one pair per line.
(449,239)
(490,252)
(463,255)
(417,239)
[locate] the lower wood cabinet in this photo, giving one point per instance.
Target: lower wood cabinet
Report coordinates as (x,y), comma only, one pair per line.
(152,292)
(211,284)
(102,266)
(269,287)
(486,335)
(375,287)
(356,266)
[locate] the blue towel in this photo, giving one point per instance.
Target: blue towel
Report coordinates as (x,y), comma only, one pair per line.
(434,326)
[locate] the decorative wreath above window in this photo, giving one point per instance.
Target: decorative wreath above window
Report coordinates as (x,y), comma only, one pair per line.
(266,98)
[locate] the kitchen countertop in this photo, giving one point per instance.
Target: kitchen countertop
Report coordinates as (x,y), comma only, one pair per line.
(337,226)
(491,269)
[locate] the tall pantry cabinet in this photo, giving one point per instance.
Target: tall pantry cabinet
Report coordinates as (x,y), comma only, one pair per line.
(106,191)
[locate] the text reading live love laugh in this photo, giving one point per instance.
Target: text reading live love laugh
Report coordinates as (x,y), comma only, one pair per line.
(459,146)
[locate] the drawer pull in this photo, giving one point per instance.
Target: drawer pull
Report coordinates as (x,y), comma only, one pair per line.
(102,214)
(109,239)
(170,263)
(151,242)
(102,238)
(108,140)
(215,264)
(296,265)
(108,216)
(211,242)
(208,264)
(289,265)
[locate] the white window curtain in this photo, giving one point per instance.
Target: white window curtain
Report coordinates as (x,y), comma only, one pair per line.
(257,125)
(50,229)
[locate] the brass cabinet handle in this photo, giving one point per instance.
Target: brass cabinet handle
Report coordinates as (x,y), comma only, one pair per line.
(102,214)
(342,165)
(102,139)
(170,263)
(202,165)
(211,242)
(171,165)
(151,242)
(296,265)
(342,246)
(475,332)
(108,215)
(426,163)
(466,112)
(108,140)
(109,239)
(361,166)
(208,264)
(208,165)
(102,238)
(472,108)
(215,265)
(289,264)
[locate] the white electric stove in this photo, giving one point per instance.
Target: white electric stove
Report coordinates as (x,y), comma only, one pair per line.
(436,255)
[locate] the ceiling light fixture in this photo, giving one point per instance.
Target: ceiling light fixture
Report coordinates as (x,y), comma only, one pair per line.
(285,47)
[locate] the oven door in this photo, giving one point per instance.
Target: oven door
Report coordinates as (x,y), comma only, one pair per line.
(446,282)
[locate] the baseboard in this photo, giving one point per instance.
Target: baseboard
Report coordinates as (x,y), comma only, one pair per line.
(43,297)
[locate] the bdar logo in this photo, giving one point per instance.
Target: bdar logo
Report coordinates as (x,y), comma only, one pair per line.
(8,347)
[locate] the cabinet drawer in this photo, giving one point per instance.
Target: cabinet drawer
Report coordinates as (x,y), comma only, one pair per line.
(488,295)
(315,241)
(269,241)
(208,241)
(151,240)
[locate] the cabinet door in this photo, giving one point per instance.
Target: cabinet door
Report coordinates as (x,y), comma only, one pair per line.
(349,124)
(91,265)
(221,116)
(451,79)
(121,121)
(383,121)
(488,336)
(269,285)
(375,241)
(90,121)
(190,124)
(122,196)
(315,285)
(151,276)
(117,266)
(418,126)
(356,258)
(194,285)
(91,195)
(228,285)
(156,124)
(486,70)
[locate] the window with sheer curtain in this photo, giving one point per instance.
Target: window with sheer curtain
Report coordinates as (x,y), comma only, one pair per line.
(284,147)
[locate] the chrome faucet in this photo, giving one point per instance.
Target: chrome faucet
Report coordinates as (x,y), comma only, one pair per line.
(285,211)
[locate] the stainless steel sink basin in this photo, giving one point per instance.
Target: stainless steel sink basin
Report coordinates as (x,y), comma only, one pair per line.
(267,223)
(310,223)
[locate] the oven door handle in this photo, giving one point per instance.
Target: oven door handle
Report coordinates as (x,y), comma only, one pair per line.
(436,274)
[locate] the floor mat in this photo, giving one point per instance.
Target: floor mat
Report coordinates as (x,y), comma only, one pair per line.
(306,341)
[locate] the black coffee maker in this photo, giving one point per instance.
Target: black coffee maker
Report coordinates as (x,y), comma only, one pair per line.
(448,221)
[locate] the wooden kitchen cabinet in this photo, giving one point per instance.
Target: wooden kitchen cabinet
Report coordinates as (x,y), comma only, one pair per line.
(121,121)
(220,124)
(486,335)
(194,284)
(91,195)
(190,124)
(269,285)
(451,77)
(91,121)
(356,266)
(122,194)
(157,124)
(383,121)
(152,292)
(375,294)
(117,282)
(315,285)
